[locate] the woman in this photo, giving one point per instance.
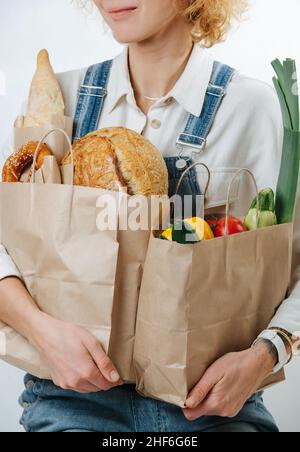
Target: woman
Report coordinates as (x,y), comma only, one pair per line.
(165,86)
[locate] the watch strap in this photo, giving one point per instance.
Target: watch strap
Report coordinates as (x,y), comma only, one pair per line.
(277,341)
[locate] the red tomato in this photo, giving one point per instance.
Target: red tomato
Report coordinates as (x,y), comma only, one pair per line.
(212,221)
(235,226)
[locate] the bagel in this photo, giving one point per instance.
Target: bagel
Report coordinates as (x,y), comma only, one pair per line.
(118,157)
(18,162)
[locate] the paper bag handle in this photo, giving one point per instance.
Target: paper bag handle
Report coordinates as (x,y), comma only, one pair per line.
(32,181)
(188,170)
(238,173)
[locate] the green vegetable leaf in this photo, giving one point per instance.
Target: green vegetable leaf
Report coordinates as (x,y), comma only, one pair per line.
(283,104)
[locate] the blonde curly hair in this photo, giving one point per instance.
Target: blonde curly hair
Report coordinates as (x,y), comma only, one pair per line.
(210,19)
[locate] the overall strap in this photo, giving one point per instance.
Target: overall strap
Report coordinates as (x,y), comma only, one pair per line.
(198,128)
(91,97)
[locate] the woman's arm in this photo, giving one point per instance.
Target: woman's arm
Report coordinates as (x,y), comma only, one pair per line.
(7,266)
(229,382)
(75,358)
(17,308)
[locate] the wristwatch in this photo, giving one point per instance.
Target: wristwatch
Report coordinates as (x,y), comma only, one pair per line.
(277,341)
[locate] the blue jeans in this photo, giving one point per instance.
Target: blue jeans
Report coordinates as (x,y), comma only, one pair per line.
(48,408)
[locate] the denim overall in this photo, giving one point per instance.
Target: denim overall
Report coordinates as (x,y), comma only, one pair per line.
(90,103)
(48,408)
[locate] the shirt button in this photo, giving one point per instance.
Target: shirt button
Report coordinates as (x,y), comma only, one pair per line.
(25,405)
(155,124)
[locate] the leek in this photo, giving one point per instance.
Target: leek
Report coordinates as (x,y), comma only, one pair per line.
(287,187)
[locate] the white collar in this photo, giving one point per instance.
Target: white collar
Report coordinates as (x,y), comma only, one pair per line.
(119,79)
(189,91)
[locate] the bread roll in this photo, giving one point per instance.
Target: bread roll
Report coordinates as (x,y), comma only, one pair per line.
(18,162)
(118,157)
(45,97)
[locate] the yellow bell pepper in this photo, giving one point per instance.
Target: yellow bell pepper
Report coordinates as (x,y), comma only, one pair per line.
(190,230)
(167,235)
(201,227)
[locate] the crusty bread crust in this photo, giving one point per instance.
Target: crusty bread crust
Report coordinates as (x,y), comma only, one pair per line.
(45,97)
(119,157)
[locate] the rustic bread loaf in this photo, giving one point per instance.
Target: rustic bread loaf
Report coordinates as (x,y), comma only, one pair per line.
(118,157)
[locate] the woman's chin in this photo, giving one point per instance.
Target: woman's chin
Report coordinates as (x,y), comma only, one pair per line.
(128,38)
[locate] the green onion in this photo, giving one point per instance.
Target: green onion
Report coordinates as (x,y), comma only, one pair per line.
(287,187)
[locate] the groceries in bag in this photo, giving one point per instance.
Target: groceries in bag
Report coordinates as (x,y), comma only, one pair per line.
(286,86)
(111,159)
(189,230)
(119,158)
(257,217)
(197,229)
(45,97)
(265,215)
(226,291)
(235,226)
(207,310)
(17,164)
(45,111)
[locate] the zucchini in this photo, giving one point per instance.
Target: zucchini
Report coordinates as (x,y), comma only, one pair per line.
(191,230)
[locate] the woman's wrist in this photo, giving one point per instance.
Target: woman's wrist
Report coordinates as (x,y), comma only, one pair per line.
(37,328)
(265,354)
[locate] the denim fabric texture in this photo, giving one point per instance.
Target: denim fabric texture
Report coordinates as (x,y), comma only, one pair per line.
(48,408)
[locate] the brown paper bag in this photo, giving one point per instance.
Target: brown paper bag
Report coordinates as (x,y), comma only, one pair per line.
(132,253)
(130,260)
(67,264)
(199,302)
(133,245)
(56,142)
(49,173)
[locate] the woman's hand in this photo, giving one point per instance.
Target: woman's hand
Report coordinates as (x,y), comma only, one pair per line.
(76,359)
(230,382)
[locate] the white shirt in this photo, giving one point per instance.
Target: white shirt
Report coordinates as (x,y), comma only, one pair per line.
(247,132)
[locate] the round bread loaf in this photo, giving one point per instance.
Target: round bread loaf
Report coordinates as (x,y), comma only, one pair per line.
(118,157)
(18,162)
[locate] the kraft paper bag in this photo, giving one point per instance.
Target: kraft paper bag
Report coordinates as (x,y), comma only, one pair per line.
(127,248)
(201,301)
(67,262)
(56,142)
(68,266)
(49,173)
(132,253)
(133,245)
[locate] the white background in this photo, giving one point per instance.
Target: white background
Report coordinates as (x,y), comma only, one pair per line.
(76,39)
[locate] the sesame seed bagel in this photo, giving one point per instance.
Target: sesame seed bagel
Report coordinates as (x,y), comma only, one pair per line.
(18,162)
